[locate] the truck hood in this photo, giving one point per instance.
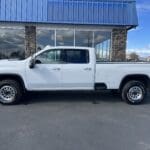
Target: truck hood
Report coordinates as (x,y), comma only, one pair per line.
(11,63)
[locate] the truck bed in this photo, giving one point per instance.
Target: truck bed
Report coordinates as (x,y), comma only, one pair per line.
(112,73)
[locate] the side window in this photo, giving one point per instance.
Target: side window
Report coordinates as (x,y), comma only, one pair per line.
(50,57)
(77,56)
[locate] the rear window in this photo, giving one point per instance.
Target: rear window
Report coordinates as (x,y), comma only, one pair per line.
(77,56)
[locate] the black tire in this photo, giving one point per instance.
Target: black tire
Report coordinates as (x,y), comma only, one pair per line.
(10,88)
(134,92)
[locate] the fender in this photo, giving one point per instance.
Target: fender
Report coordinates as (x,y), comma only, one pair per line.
(16,77)
(140,77)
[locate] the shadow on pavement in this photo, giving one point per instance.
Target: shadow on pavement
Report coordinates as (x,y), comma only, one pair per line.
(73,97)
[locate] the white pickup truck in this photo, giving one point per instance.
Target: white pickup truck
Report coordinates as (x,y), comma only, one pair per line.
(71,68)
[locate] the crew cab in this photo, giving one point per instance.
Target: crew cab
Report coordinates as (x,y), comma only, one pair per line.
(71,69)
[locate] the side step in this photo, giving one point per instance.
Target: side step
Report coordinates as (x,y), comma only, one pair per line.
(100,86)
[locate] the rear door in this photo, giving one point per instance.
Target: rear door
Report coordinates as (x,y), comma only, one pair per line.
(78,71)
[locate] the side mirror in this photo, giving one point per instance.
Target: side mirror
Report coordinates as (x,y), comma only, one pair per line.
(32,63)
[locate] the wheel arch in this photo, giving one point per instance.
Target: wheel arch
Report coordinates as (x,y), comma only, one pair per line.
(15,77)
(137,77)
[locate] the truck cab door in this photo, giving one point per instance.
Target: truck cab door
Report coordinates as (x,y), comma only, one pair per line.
(79,69)
(46,75)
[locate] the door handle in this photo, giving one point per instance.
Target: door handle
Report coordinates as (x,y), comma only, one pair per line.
(87,69)
(56,69)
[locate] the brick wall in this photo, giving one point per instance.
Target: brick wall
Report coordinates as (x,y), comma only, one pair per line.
(30,40)
(119,38)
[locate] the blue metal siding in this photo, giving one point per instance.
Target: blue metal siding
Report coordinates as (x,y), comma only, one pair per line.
(100,12)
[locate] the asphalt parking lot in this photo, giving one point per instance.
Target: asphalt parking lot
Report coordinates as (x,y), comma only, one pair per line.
(61,121)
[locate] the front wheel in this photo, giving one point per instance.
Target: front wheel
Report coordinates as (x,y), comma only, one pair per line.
(10,92)
(134,92)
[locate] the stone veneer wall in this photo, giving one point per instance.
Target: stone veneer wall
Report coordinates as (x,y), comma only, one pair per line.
(119,38)
(30,40)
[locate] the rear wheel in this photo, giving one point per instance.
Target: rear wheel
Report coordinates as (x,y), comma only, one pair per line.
(134,92)
(10,92)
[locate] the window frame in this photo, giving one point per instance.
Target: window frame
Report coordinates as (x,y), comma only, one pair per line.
(64,61)
(61,50)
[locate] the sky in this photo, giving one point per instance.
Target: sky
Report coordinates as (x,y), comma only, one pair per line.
(139,38)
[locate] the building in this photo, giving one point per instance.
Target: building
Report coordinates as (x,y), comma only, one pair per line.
(27,26)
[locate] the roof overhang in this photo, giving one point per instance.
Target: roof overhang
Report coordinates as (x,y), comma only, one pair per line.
(84,12)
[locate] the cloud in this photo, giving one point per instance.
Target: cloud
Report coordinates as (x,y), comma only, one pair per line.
(139,28)
(143,52)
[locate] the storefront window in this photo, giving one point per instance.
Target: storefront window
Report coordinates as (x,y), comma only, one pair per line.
(64,37)
(12,43)
(44,38)
(102,45)
(101,40)
(84,38)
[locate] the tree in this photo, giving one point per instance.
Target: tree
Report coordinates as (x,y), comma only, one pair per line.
(120,56)
(134,57)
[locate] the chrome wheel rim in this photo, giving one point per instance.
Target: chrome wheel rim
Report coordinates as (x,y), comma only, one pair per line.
(135,94)
(7,93)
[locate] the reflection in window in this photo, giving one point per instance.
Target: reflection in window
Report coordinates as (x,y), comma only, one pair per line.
(44,38)
(77,56)
(12,43)
(49,57)
(64,37)
(99,39)
(84,38)
(102,44)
